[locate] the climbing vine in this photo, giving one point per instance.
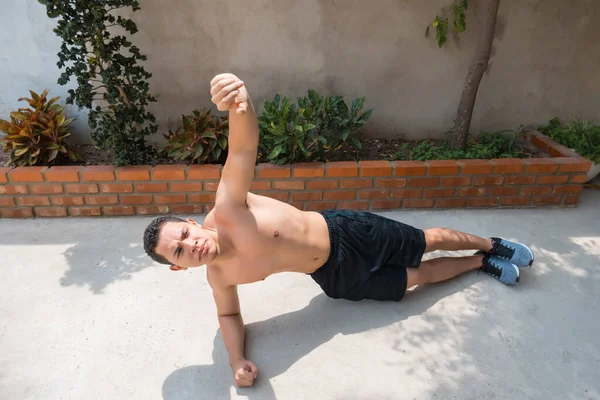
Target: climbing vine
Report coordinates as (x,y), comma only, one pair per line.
(441,22)
(111,83)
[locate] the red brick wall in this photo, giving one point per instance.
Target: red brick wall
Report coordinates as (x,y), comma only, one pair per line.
(554,180)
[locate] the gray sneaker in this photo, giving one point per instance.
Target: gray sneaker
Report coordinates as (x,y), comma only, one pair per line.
(505,271)
(516,253)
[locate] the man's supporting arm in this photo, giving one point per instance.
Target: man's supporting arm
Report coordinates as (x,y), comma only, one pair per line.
(231,322)
(232,330)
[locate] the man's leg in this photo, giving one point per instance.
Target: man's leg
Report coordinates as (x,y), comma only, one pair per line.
(441,269)
(449,239)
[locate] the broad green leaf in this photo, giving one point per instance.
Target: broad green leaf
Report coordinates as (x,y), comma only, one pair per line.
(208,134)
(357,105)
(53,155)
(186,122)
(275,152)
(19,116)
(365,116)
(303,148)
(441,30)
(22,151)
(217,152)
(52,101)
(223,142)
(198,152)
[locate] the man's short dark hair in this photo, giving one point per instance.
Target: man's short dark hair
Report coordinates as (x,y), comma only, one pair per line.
(152,234)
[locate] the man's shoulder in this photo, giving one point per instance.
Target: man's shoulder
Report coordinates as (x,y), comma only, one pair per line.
(225,211)
(215,277)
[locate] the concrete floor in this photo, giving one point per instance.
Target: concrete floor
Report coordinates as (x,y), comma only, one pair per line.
(85,315)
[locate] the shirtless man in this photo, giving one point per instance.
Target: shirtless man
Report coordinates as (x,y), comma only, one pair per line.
(352,255)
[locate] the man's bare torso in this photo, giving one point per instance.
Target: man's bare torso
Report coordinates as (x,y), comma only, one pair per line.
(267,237)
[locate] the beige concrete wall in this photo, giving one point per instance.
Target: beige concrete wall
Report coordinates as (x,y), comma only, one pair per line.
(28,59)
(545,60)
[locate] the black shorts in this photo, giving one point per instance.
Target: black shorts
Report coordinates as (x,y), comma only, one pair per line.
(369,256)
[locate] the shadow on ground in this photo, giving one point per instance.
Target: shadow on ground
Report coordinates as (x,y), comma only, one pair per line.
(98,255)
(496,342)
(279,342)
(96,265)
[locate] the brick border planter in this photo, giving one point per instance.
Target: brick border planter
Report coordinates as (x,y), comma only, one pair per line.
(553,180)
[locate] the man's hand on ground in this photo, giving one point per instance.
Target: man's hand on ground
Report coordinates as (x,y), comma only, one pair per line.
(229,93)
(244,373)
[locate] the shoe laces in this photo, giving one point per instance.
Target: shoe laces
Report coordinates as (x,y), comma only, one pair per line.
(501,249)
(490,268)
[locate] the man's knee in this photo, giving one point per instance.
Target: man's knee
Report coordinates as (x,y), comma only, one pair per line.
(417,276)
(435,236)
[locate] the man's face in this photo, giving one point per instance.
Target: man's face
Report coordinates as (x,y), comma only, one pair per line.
(186,244)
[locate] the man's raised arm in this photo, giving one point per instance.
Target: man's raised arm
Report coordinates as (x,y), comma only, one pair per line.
(229,93)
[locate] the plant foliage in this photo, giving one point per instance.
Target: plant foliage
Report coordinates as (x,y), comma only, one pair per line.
(484,146)
(578,134)
(202,140)
(311,129)
(441,21)
(35,135)
(110,82)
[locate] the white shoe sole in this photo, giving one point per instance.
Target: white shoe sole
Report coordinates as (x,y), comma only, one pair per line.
(530,253)
(518,272)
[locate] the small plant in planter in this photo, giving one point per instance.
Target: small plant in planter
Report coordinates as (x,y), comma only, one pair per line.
(486,145)
(310,130)
(581,136)
(36,135)
(283,132)
(202,140)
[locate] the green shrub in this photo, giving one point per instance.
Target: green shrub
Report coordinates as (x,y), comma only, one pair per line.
(484,146)
(35,136)
(334,122)
(283,132)
(309,130)
(203,139)
(579,135)
(111,80)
